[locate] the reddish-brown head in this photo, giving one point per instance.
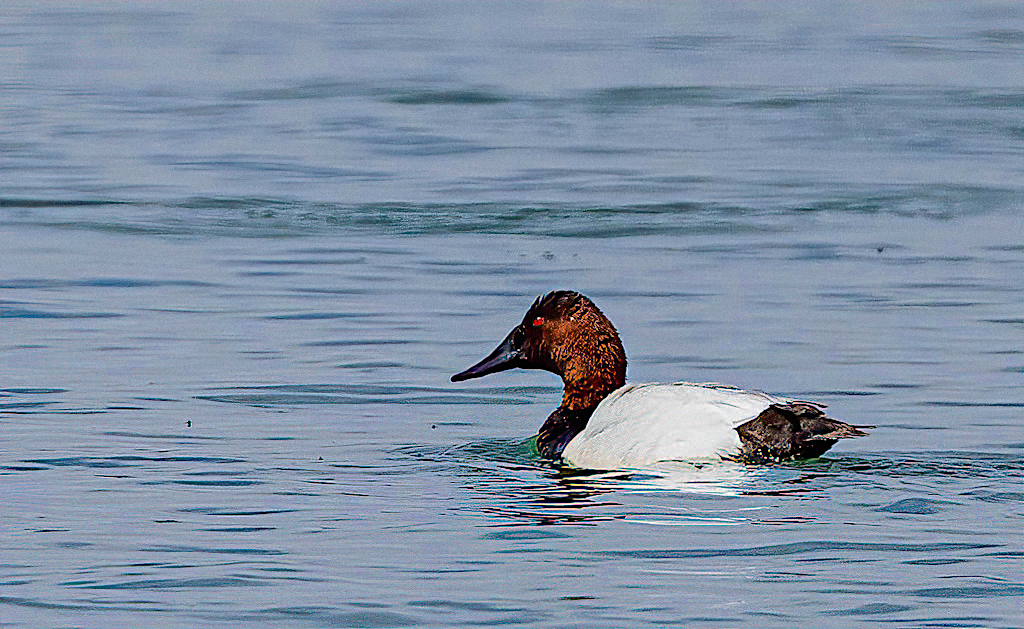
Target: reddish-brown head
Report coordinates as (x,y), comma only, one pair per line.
(565,333)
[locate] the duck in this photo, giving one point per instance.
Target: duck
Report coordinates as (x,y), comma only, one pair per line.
(603,423)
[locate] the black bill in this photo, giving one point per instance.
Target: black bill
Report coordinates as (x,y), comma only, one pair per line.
(505,356)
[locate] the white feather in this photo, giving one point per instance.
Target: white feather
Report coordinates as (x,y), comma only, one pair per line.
(638,425)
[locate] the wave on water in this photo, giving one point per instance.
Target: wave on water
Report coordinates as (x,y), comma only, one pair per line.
(305,394)
(268,217)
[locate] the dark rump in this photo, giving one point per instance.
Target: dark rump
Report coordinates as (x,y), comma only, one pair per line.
(794,430)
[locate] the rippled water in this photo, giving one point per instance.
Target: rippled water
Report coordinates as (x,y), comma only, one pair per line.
(245,244)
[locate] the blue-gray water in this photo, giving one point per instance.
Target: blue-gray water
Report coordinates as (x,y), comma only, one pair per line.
(243,246)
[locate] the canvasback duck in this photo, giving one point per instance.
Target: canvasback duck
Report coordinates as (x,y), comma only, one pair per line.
(603,423)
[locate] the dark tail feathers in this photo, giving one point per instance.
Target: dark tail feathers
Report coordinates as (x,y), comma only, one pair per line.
(793,430)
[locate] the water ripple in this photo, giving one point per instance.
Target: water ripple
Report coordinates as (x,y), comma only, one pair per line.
(274,217)
(794,549)
(370,394)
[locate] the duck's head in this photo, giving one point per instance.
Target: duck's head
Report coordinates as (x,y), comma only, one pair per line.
(563,332)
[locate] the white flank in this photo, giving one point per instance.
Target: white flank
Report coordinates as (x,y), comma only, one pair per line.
(639,425)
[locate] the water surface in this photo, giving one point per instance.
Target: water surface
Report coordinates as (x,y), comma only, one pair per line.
(245,244)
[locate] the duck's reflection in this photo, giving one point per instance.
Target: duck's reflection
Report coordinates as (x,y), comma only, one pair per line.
(527,489)
(510,483)
(572,496)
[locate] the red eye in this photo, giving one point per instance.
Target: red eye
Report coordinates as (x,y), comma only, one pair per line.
(539,321)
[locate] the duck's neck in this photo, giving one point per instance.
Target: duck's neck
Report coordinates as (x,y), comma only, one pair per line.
(586,393)
(580,397)
(592,363)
